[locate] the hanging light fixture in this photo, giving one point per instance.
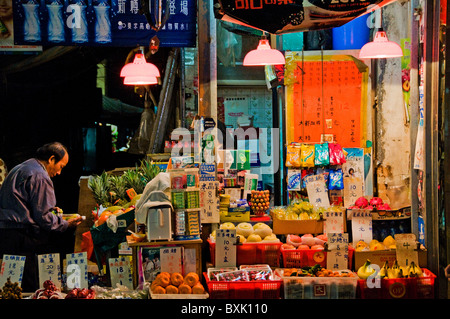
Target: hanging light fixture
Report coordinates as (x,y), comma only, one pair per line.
(140,72)
(264,55)
(380,48)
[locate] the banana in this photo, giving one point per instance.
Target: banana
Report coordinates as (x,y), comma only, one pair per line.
(384,270)
(414,271)
(395,271)
(365,270)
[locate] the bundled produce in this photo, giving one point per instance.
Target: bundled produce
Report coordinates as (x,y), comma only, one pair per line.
(175,283)
(11,290)
(248,233)
(301,210)
(393,272)
(316,271)
(81,293)
(374,204)
(307,241)
(387,243)
(260,201)
(49,291)
(245,273)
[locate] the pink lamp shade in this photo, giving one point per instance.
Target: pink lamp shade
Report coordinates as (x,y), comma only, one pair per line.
(264,55)
(140,72)
(380,48)
(140,80)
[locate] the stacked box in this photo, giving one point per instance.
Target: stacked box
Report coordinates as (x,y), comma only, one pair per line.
(178,200)
(192,199)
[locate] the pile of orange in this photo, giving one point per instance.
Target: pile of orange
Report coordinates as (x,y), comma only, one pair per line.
(176,283)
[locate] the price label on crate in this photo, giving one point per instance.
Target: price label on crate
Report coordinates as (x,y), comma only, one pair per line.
(12,267)
(225,248)
(77,270)
(333,222)
(362,225)
(337,256)
(49,269)
(171,259)
(120,272)
(317,190)
(406,249)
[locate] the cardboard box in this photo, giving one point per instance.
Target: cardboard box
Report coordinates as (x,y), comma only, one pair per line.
(379,257)
(285,227)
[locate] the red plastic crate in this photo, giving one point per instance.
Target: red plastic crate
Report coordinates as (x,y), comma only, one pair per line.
(253,253)
(400,288)
(260,289)
(309,257)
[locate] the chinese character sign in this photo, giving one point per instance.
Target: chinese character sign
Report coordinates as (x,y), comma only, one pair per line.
(337,256)
(317,191)
(209,202)
(361,225)
(12,267)
(281,16)
(49,269)
(77,270)
(104,22)
(120,272)
(333,222)
(225,248)
(172,259)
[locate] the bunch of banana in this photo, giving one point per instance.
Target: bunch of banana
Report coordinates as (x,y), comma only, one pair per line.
(396,271)
(365,270)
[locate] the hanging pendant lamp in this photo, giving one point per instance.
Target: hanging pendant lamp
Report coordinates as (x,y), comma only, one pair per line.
(380,48)
(140,72)
(264,55)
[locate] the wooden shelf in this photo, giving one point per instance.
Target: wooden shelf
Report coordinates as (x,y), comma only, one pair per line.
(132,243)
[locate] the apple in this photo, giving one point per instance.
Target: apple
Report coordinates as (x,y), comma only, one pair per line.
(287,247)
(317,247)
(303,247)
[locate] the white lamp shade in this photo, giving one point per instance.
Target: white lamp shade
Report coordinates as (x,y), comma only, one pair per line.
(380,48)
(264,55)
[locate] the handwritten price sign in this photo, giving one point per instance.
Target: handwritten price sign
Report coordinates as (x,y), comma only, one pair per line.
(49,269)
(120,272)
(225,248)
(12,267)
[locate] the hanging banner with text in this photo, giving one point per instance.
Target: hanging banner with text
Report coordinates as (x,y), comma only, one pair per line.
(326,99)
(278,17)
(104,22)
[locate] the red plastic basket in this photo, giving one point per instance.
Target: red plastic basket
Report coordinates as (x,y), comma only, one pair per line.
(309,257)
(260,289)
(253,253)
(400,288)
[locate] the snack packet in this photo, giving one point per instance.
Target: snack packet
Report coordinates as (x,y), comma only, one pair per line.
(293,155)
(322,155)
(307,155)
(336,179)
(337,156)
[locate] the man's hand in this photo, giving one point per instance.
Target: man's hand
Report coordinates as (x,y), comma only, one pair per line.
(74,222)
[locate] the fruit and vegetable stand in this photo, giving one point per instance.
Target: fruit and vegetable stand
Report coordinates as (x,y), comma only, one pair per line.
(298,251)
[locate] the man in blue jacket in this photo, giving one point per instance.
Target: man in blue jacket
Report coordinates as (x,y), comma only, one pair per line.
(27,209)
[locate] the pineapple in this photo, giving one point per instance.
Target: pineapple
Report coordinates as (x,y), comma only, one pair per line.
(149,170)
(99,185)
(119,188)
(134,180)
